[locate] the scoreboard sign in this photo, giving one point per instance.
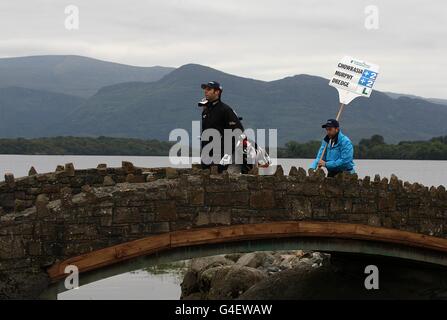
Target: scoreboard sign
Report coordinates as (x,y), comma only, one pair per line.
(354,78)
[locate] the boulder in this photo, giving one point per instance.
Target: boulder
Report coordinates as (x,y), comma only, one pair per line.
(255,259)
(201,264)
(108,181)
(189,284)
(229,282)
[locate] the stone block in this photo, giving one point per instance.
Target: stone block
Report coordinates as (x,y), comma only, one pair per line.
(262,199)
(166,211)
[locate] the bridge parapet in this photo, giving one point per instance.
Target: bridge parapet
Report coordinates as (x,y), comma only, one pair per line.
(17,194)
(85,210)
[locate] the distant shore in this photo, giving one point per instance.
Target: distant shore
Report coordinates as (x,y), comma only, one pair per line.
(372,148)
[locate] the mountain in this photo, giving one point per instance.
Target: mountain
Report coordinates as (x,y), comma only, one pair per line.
(27,112)
(398,95)
(296,106)
(69,74)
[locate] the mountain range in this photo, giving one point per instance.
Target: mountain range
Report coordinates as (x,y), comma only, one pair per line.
(71,95)
(73,75)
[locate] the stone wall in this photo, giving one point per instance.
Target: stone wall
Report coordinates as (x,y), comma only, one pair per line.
(19,194)
(71,212)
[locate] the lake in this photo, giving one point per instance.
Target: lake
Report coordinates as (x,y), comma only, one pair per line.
(140,284)
(427,172)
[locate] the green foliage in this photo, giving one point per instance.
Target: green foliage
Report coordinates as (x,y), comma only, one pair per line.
(376,148)
(372,148)
(85,146)
(294,149)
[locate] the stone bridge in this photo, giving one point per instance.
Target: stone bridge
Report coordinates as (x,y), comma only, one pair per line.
(97,218)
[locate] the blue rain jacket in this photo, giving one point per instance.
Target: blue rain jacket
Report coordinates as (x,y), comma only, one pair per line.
(339,155)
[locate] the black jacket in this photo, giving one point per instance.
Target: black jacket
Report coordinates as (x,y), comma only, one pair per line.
(218,115)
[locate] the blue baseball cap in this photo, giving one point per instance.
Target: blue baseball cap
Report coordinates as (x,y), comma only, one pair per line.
(331,123)
(212,85)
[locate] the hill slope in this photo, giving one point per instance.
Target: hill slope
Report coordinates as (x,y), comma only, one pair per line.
(69,74)
(296,106)
(30,113)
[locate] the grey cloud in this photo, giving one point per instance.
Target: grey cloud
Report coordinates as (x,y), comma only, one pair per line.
(261,39)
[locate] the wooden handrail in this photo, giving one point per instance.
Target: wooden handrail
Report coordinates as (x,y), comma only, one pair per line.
(271,230)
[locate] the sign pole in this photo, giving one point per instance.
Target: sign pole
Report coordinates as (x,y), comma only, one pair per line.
(352,78)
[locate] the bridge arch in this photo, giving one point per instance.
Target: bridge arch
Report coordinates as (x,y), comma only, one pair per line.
(98,217)
(263,231)
(292,235)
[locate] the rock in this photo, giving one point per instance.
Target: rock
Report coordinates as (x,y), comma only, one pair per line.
(343,278)
(293,171)
(41,205)
(59,168)
(229,282)
(66,196)
(201,264)
(214,170)
(69,169)
(234,256)
(171,173)
(255,259)
(133,178)
(86,188)
(23,285)
(302,173)
(108,181)
(193,296)
(206,277)
(151,177)
(217,277)
(127,166)
(32,171)
(279,171)
(288,261)
(254,171)
(273,269)
(102,168)
(200,273)
(301,282)
(189,284)
(9,179)
(262,199)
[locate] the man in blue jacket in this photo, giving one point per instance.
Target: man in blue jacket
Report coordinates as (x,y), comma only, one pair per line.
(339,152)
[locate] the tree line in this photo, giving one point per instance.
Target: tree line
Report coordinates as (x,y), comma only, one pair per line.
(372,148)
(376,148)
(67,145)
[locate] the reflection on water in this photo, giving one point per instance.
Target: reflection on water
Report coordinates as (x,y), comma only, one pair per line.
(152,283)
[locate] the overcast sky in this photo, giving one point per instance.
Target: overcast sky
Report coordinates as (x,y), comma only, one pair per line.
(262,39)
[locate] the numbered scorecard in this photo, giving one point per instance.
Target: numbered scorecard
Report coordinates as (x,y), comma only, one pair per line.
(354,78)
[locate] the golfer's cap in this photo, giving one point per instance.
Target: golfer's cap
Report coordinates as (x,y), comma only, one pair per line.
(212,84)
(331,123)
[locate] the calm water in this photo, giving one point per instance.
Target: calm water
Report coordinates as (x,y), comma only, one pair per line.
(140,284)
(135,285)
(426,172)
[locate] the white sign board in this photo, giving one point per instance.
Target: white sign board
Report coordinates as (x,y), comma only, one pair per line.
(354,78)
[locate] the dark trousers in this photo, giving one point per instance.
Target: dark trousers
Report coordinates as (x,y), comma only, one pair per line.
(332,174)
(220,168)
(245,168)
